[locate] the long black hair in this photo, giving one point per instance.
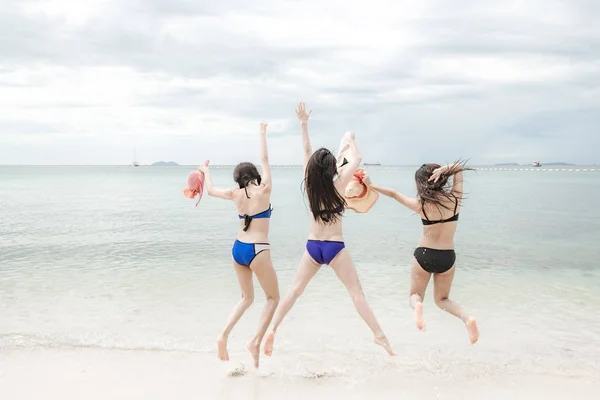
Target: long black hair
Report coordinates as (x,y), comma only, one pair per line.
(326,203)
(438,193)
(244,173)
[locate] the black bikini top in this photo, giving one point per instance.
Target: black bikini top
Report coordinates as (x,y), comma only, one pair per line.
(441,221)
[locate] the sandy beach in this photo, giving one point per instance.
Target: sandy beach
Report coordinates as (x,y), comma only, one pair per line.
(112,374)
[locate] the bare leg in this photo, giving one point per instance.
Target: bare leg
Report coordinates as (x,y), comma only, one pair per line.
(245,278)
(307,269)
(442,284)
(419,279)
(345,271)
(263,268)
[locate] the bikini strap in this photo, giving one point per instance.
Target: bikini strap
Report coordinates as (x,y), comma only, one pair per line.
(247,220)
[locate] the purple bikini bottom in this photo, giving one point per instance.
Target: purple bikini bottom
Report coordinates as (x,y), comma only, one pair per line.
(323,251)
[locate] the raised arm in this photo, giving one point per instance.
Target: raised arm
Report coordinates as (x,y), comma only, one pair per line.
(303,117)
(226,194)
(264,157)
(456,171)
(408,202)
(457,184)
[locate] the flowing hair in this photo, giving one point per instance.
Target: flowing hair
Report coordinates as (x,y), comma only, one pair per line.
(326,203)
(244,173)
(439,193)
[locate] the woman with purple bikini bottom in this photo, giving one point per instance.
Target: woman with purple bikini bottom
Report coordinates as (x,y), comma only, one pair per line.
(325,245)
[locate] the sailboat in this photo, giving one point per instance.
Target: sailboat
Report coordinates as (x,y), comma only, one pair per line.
(135,163)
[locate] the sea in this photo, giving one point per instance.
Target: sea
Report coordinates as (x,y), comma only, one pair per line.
(112,281)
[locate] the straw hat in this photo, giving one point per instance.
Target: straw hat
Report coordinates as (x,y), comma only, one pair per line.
(359,196)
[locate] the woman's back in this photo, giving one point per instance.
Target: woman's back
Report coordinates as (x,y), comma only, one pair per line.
(439,223)
(254,210)
(320,231)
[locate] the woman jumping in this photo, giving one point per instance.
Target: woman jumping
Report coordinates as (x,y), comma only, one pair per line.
(325,243)
(439,209)
(251,250)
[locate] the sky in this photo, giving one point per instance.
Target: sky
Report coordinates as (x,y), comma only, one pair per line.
(89,81)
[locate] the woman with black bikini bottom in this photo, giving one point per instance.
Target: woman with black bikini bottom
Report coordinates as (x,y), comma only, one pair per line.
(439,208)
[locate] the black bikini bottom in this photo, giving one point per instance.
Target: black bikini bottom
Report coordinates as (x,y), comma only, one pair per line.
(435,261)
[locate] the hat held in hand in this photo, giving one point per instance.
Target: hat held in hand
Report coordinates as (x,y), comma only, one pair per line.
(359,196)
(195,185)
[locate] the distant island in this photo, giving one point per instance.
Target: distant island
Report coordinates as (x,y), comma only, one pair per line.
(165,164)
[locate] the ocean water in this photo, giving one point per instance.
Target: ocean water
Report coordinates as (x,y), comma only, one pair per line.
(115,258)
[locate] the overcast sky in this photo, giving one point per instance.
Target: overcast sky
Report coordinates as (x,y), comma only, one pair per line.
(86,81)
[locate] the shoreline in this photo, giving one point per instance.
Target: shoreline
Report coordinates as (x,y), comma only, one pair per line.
(125,374)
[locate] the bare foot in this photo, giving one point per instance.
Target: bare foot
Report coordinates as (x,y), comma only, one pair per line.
(473,330)
(254,349)
(383,342)
(419,321)
(269,344)
(222,345)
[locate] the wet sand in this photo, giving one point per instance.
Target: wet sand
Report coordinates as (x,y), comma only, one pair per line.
(116,374)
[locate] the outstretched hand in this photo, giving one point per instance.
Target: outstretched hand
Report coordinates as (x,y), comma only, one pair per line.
(301,112)
(263,127)
(366,180)
(203,169)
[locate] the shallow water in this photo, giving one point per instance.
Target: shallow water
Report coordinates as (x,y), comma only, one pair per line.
(117,258)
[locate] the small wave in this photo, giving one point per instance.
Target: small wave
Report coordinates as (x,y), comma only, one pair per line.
(17,341)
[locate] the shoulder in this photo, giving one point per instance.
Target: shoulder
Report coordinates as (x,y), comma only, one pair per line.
(265,188)
(236,193)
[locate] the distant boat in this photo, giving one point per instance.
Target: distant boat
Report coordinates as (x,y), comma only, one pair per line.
(372,164)
(135,163)
(536,164)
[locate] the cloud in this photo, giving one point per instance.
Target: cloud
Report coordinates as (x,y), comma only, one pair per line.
(24,127)
(188,80)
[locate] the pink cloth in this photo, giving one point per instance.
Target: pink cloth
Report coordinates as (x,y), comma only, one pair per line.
(195,185)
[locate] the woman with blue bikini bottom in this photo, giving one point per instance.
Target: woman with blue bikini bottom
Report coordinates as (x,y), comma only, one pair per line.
(325,243)
(251,251)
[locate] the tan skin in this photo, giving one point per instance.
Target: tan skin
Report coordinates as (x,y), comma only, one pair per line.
(342,263)
(438,236)
(261,266)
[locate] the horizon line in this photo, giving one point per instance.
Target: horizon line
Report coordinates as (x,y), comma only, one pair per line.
(272,165)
